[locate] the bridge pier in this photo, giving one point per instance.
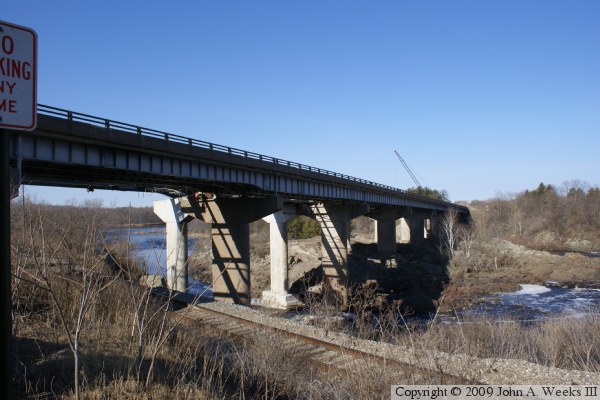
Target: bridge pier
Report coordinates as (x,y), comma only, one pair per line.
(403,231)
(385,230)
(278,296)
(169,211)
(334,220)
(229,219)
(416,224)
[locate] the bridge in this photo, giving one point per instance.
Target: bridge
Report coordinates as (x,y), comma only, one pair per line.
(223,186)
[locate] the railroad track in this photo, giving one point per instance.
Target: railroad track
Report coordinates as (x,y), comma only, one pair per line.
(316,346)
(335,351)
(249,332)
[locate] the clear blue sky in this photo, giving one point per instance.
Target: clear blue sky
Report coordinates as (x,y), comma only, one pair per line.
(479,97)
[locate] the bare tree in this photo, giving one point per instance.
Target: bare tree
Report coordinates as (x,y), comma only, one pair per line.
(449,228)
(576,187)
(466,233)
(44,267)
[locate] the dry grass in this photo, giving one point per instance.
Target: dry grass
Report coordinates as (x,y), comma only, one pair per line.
(562,342)
(131,346)
(567,343)
(198,364)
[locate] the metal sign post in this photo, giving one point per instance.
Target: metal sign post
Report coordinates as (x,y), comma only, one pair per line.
(18,101)
(6,360)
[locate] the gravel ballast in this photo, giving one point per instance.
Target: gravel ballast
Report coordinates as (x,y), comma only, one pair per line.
(484,371)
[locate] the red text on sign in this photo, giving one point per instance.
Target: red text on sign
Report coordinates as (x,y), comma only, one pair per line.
(8,106)
(15,68)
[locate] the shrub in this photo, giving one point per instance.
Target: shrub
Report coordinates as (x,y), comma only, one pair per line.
(303,228)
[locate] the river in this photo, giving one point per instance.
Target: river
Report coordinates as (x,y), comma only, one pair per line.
(532,302)
(148,245)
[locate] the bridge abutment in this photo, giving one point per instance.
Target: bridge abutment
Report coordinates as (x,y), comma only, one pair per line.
(169,211)
(334,220)
(278,296)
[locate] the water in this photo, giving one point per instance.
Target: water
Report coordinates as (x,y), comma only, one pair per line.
(148,244)
(534,302)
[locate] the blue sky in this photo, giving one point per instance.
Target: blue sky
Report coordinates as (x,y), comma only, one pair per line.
(479,97)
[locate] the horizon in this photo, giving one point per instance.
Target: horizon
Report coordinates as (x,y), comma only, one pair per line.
(480,99)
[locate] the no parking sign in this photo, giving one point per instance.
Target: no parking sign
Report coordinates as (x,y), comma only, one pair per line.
(18,77)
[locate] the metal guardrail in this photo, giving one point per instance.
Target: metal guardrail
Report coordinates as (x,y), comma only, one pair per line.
(170,137)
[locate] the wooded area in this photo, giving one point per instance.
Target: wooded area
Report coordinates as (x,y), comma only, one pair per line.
(546,217)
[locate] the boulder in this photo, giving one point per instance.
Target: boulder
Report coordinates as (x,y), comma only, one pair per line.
(153,281)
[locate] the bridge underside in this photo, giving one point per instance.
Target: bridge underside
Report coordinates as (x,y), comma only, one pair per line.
(44,173)
(229,218)
(74,150)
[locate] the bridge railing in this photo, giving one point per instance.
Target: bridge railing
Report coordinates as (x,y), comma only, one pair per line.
(123,126)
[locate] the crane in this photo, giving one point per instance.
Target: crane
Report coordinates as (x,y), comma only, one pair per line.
(414,178)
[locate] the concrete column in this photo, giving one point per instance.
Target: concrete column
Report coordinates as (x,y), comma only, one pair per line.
(427,226)
(334,236)
(229,218)
(385,230)
(231,262)
(177,249)
(278,296)
(417,229)
(403,231)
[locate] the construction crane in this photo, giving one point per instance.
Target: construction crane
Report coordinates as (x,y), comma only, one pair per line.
(414,178)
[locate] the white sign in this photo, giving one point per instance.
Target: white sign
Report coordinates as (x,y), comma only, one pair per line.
(18,77)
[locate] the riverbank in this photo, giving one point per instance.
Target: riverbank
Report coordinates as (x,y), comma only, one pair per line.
(502,266)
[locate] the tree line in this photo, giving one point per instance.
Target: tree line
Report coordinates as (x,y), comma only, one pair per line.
(110,217)
(545,214)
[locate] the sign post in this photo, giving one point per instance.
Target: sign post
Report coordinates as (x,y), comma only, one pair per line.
(18,111)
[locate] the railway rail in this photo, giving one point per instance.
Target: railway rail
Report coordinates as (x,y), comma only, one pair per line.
(326,355)
(337,351)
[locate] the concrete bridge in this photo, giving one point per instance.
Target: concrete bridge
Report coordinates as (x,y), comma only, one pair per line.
(223,186)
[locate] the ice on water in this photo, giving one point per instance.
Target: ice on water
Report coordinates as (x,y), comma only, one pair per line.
(529,289)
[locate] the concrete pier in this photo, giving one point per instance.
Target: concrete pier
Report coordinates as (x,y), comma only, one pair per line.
(334,236)
(176,237)
(385,230)
(229,219)
(403,231)
(278,296)
(417,229)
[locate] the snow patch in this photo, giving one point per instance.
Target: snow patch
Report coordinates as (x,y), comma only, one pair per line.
(532,289)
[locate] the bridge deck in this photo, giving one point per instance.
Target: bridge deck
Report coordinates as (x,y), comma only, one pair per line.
(79,150)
